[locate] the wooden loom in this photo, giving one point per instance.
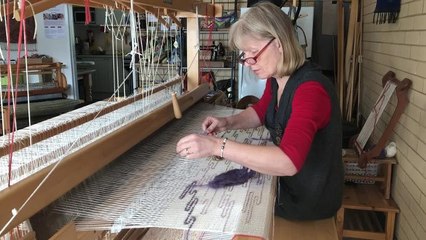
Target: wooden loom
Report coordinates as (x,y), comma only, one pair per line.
(53,89)
(106,149)
(59,84)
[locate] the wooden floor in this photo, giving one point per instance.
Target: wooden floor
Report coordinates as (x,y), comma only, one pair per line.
(305,230)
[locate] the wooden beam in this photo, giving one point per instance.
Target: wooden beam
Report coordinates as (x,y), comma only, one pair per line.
(93,3)
(66,232)
(172,16)
(203,10)
(182,6)
(340,81)
(192,53)
(156,13)
(11,6)
(39,6)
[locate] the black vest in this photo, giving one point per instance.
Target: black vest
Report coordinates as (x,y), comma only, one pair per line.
(315,192)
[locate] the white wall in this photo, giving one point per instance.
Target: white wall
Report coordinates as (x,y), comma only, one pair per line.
(401,47)
(61,48)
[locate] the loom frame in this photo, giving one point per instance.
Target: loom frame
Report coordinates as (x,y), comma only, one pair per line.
(401,90)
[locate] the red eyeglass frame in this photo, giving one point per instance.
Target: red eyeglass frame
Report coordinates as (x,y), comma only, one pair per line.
(253,60)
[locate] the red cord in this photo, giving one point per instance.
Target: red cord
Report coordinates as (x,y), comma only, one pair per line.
(11,131)
(87,11)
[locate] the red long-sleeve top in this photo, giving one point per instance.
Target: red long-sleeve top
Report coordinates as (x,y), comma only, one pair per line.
(311,110)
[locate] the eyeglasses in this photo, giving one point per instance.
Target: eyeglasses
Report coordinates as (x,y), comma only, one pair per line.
(253,60)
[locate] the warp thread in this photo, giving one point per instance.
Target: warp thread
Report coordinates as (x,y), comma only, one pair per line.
(386,11)
(232,178)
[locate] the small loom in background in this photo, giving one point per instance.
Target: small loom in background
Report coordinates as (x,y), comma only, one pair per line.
(390,84)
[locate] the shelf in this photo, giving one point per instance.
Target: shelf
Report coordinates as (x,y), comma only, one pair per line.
(351,156)
(366,221)
(216,68)
(220,30)
(364,178)
(367,197)
(365,213)
(213,68)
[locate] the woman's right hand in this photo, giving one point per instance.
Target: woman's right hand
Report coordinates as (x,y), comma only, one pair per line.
(214,124)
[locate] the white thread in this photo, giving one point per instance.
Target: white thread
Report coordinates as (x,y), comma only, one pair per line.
(147,191)
(86,137)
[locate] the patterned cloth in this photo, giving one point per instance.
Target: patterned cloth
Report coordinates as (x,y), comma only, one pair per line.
(387,11)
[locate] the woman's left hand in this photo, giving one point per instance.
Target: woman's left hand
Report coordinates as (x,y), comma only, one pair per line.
(198,146)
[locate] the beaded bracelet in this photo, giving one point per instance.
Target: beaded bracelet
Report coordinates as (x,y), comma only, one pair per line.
(222,148)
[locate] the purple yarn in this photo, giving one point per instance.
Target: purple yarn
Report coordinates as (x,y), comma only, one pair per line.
(231,178)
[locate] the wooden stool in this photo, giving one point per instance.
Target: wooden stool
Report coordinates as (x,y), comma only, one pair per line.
(358,216)
(304,230)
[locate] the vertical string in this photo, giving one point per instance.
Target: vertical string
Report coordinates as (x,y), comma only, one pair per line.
(18,63)
(8,63)
(134,46)
(1,75)
(27,75)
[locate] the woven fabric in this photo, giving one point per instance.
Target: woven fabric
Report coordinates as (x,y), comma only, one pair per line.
(386,11)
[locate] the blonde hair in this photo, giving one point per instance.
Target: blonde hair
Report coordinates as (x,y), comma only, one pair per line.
(266,21)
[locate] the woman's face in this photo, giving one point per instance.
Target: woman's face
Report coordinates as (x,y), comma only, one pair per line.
(267,60)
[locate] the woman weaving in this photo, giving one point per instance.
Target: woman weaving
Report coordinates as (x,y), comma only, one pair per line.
(299,108)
